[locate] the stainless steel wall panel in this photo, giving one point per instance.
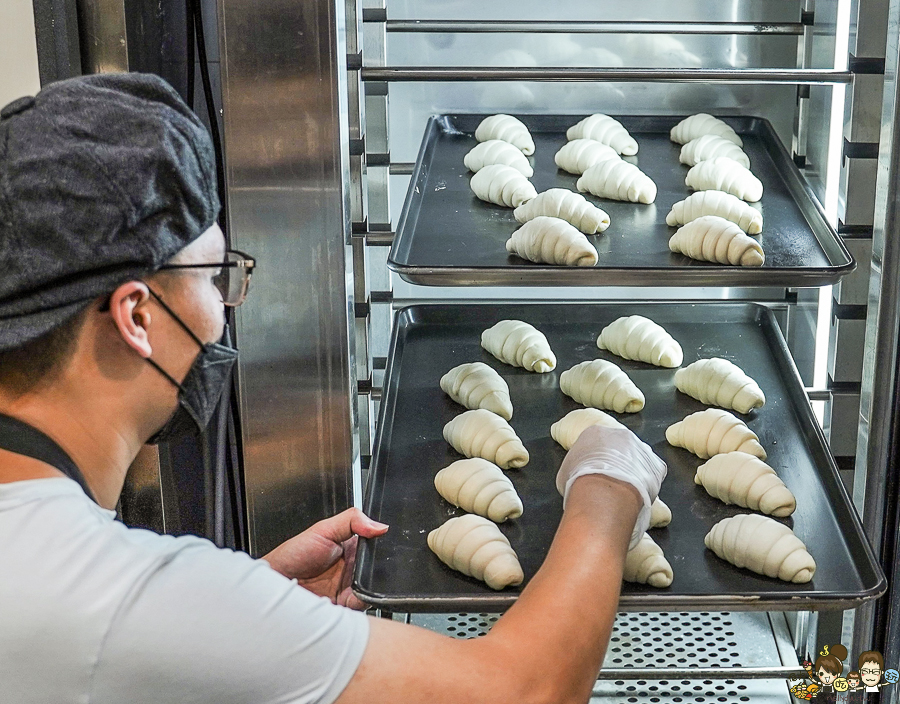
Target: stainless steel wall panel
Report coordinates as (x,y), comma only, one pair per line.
(845,350)
(868,28)
(857,199)
(862,113)
(841,424)
(286,142)
(853,289)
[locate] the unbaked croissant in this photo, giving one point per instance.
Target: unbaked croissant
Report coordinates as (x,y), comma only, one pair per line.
(763,545)
(507,129)
(646,564)
(496,151)
(718,382)
(618,180)
(714,432)
(562,203)
(474,546)
(709,146)
(552,241)
(502,185)
(478,486)
(579,155)
(724,174)
(604,129)
(519,344)
(480,433)
(700,124)
(746,481)
(725,205)
(637,337)
(660,514)
(714,239)
(476,385)
(568,428)
(601,384)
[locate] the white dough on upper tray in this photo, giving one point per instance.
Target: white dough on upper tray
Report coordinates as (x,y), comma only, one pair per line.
(508,129)
(601,384)
(724,174)
(478,486)
(725,205)
(476,385)
(645,563)
(714,432)
(713,239)
(744,480)
(480,433)
(637,337)
(618,180)
(474,546)
(660,514)
(519,344)
(710,146)
(502,185)
(568,428)
(718,382)
(700,124)
(552,241)
(579,155)
(496,151)
(603,128)
(568,205)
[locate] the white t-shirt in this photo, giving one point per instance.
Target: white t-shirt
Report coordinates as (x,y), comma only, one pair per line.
(93,612)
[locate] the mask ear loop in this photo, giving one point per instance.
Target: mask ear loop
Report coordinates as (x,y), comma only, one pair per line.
(184,327)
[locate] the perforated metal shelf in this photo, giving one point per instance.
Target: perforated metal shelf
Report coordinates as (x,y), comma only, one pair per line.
(673,640)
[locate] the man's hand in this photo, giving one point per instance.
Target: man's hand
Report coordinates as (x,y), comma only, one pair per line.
(321,558)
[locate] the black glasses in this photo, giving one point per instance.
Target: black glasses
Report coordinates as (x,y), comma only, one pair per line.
(234,278)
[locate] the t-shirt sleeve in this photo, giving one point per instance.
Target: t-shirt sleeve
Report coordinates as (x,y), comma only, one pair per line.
(213,626)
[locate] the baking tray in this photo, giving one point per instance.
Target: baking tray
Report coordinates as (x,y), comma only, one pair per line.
(448,237)
(399,572)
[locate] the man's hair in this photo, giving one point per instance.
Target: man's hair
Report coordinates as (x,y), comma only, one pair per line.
(871,656)
(39,360)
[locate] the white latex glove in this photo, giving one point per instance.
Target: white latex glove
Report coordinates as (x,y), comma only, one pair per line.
(619,454)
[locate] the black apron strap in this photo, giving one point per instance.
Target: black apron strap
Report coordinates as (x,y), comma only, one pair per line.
(23,439)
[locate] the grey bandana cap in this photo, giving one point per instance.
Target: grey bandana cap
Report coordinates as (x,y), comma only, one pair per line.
(103,179)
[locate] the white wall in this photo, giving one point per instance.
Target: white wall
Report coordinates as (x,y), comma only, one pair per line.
(18,51)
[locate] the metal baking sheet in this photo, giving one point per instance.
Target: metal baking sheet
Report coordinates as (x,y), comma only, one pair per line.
(448,237)
(399,572)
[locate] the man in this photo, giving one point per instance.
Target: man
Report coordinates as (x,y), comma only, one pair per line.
(111,301)
(871,668)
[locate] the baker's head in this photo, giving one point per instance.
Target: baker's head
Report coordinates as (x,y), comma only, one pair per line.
(108,205)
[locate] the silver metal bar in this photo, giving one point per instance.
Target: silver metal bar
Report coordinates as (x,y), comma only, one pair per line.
(379,239)
(701,673)
(401,169)
(818,394)
(653,75)
(587,27)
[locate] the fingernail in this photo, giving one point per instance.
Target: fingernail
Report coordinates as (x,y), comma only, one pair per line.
(379,525)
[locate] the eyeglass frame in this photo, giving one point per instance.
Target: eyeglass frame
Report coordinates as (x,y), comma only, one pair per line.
(870,671)
(246,262)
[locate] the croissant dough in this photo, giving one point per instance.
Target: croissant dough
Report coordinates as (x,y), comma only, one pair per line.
(496,151)
(480,433)
(601,384)
(567,205)
(637,337)
(724,174)
(725,205)
(552,241)
(506,128)
(714,432)
(618,180)
(744,480)
(763,545)
(502,185)
(568,428)
(690,128)
(714,239)
(645,563)
(520,345)
(579,155)
(474,546)
(660,514)
(476,385)
(478,486)
(718,382)
(606,130)
(709,146)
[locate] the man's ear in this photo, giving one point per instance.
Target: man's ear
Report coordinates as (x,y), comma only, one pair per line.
(131,314)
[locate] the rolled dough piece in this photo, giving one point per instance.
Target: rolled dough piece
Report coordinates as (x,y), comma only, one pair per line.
(579,155)
(562,203)
(502,185)
(709,146)
(601,384)
(606,130)
(724,174)
(568,428)
(660,514)
(718,382)
(480,433)
(646,564)
(744,480)
(637,337)
(714,432)
(551,240)
(496,151)
(478,486)
(700,124)
(474,546)
(618,180)
(763,545)
(725,205)
(476,385)
(520,345)
(507,129)
(714,239)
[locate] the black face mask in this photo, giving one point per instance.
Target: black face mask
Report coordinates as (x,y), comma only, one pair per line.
(199,393)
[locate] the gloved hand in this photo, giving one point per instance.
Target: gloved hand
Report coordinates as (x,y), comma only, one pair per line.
(619,454)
